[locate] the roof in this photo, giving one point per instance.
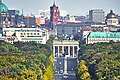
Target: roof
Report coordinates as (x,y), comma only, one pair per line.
(104,35)
(111,15)
(3,7)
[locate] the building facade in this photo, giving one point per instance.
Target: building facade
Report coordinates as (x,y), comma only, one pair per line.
(4,15)
(105,32)
(111,19)
(30,21)
(97,15)
(54,15)
(13,17)
(97,37)
(25,35)
(65,59)
(70,29)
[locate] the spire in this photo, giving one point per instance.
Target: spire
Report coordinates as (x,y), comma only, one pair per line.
(0,1)
(54,3)
(111,11)
(22,11)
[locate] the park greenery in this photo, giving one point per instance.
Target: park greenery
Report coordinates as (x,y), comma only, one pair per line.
(26,61)
(34,61)
(100,61)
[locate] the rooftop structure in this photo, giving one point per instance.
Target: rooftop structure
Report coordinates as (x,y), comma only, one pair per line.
(54,15)
(96,37)
(3,8)
(111,15)
(4,15)
(111,19)
(104,35)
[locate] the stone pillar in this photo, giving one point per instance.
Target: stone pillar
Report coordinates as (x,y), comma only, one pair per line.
(62,49)
(77,49)
(54,51)
(73,51)
(58,51)
(69,51)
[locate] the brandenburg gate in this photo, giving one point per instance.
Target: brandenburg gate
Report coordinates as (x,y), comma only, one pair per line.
(65,59)
(65,48)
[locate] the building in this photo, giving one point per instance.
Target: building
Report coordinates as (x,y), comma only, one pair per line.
(63,13)
(69,28)
(38,21)
(25,35)
(118,18)
(97,37)
(111,19)
(4,15)
(105,32)
(44,13)
(97,15)
(67,47)
(71,19)
(13,17)
(30,21)
(65,59)
(54,15)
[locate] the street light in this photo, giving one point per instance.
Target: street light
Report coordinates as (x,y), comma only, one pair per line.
(65,76)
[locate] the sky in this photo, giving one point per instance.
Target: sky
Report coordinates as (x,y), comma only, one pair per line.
(74,7)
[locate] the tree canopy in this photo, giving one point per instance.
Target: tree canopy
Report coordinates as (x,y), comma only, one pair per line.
(25,61)
(102,60)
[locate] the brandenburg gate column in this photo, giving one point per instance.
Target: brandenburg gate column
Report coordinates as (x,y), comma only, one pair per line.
(69,51)
(54,51)
(62,49)
(58,51)
(77,50)
(73,51)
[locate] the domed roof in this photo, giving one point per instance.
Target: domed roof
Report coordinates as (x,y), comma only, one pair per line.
(3,7)
(111,15)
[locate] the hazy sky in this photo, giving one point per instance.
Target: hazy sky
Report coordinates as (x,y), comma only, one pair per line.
(75,7)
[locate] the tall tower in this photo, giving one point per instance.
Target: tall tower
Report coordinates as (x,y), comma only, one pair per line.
(54,15)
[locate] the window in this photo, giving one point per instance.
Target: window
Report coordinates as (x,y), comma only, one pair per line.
(34,33)
(21,33)
(43,34)
(37,33)
(21,36)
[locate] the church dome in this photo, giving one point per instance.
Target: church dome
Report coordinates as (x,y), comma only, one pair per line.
(3,8)
(111,15)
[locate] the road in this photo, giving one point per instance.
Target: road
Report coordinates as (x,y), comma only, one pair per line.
(65,68)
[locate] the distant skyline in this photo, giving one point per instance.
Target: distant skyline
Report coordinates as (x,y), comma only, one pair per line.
(74,7)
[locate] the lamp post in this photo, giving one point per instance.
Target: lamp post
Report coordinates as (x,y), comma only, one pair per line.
(65,76)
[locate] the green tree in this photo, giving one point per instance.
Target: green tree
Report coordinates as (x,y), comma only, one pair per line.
(49,73)
(82,71)
(29,74)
